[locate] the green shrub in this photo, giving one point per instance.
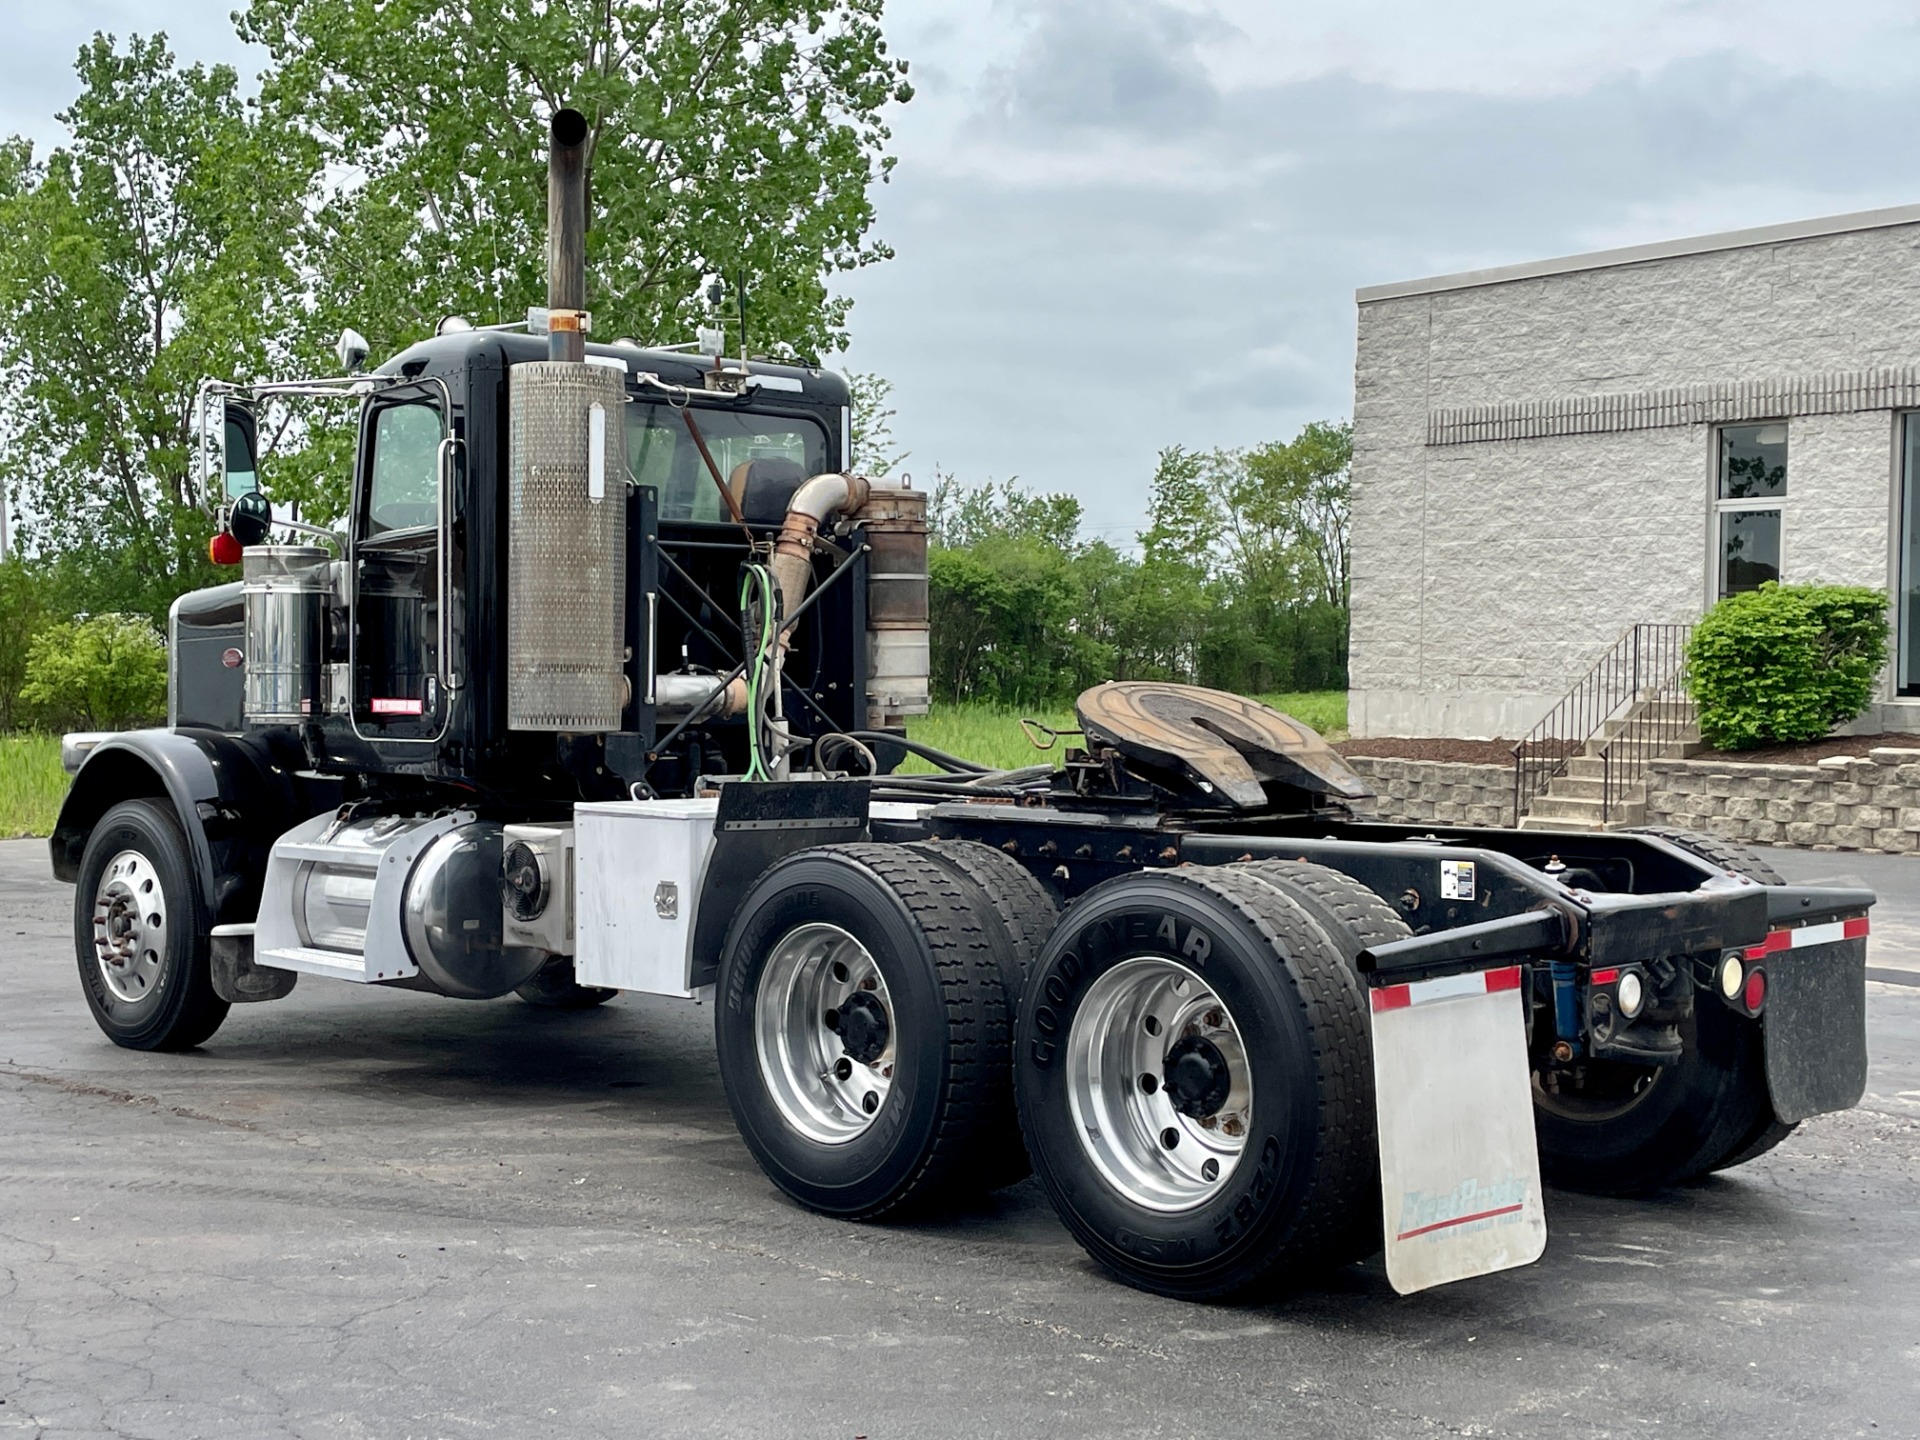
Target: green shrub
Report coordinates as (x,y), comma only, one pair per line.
(106,672)
(1786,663)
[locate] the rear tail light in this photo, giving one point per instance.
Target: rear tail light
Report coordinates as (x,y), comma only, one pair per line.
(1754,994)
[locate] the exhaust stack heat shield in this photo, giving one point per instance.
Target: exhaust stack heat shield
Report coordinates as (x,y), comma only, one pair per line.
(566,548)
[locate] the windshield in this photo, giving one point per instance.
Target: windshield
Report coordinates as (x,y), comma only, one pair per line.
(662,454)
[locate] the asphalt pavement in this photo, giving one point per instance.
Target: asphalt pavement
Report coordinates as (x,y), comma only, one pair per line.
(391,1215)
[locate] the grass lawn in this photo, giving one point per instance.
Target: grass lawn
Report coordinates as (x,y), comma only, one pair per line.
(992,735)
(32,784)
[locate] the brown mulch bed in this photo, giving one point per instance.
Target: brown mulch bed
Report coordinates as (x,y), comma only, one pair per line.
(1453,752)
(1855,745)
(1500,752)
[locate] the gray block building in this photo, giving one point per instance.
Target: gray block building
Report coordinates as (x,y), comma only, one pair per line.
(1549,453)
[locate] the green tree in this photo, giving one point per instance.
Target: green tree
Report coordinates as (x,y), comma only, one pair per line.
(870,424)
(143,255)
(729,138)
(23,614)
(106,672)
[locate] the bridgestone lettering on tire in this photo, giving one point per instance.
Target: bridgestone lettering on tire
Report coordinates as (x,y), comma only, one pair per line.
(1288,1003)
(141,932)
(935,1018)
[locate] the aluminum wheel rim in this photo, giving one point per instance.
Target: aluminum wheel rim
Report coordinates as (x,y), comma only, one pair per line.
(1117,1050)
(130,927)
(826,1093)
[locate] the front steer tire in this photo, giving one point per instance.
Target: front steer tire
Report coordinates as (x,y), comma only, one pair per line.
(1278,1005)
(927,1038)
(140,931)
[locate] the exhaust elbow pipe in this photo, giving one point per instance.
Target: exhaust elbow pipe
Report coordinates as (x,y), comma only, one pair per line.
(812,503)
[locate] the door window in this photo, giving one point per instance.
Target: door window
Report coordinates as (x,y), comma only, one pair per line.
(1751,487)
(404,485)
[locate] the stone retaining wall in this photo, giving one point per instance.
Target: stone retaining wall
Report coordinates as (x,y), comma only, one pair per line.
(1863,804)
(1857,804)
(1435,790)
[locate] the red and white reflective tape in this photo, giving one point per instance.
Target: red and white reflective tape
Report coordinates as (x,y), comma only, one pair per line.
(1448,987)
(1830,933)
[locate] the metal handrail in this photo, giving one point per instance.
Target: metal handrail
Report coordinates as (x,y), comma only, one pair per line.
(1648,663)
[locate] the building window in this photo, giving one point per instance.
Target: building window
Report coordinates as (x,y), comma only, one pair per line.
(1752,485)
(1906,604)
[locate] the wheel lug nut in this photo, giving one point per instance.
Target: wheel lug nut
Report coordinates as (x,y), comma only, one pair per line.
(867,982)
(1207,1122)
(1232,1125)
(886,1071)
(1214,1019)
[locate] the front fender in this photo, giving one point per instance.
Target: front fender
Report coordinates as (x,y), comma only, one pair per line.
(231,794)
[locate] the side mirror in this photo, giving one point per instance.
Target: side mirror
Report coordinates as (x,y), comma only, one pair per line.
(239,451)
(251,518)
(352,350)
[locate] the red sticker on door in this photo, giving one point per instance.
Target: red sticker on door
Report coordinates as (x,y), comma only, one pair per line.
(396,707)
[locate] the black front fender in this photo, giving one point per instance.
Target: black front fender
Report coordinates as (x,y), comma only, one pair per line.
(232,795)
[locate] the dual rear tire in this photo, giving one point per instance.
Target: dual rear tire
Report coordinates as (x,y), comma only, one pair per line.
(1189,1052)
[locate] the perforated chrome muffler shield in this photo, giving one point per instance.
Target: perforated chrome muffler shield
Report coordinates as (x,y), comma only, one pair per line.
(566,547)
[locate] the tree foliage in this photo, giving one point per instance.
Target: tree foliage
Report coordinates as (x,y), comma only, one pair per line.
(1240,580)
(727,138)
(1786,663)
(106,672)
(147,253)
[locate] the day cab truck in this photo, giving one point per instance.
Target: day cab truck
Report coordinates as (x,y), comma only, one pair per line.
(602,686)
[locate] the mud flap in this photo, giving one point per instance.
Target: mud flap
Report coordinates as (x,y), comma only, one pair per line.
(1459,1165)
(1814,1025)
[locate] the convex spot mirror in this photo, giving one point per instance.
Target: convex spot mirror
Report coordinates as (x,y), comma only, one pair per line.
(251,518)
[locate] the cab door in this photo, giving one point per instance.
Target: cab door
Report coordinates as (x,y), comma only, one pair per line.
(402,564)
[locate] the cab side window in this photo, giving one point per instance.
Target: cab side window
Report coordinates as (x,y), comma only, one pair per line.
(403,488)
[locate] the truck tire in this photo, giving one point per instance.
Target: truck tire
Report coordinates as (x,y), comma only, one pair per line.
(862,1030)
(1026,911)
(1239,1141)
(140,931)
(1715,1111)
(1727,854)
(1354,918)
(554,988)
(1348,911)
(1003,891)
(1640,1128)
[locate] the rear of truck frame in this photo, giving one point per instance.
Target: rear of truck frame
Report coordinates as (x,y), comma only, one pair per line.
(603,688)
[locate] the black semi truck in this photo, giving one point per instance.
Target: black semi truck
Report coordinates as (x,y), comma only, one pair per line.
(603,687)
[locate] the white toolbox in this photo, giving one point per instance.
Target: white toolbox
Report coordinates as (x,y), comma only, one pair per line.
(638,868)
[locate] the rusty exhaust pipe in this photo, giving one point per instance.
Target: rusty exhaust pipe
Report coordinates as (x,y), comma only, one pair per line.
(567,236)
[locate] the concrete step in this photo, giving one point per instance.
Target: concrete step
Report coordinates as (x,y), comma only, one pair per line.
(1585,767)
(1557,811)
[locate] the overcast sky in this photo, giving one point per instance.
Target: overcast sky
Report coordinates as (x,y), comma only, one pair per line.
(1125,224)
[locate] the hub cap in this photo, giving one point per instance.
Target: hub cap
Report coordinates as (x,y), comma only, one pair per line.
(130,926)
(1158,1080)
(824,1033)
